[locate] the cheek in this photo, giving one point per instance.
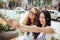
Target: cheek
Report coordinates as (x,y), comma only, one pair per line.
(33,16)
(29,16)
(42,20)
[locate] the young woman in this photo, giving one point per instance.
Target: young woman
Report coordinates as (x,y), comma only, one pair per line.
(36,11)
(44,20)
(31,20)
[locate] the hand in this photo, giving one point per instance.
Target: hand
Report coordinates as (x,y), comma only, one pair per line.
(13,23)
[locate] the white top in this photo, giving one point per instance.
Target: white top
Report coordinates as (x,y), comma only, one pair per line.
(42,36)
(28,37)
(56,28)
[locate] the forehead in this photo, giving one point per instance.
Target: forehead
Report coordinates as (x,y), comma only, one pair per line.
(33,10)
(42,14)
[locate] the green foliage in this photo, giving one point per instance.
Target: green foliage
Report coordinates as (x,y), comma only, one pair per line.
(4,28)
(1,26)
(53,38)
(2,16)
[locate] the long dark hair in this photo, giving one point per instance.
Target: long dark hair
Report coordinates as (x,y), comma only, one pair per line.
(47,18)
(29,20)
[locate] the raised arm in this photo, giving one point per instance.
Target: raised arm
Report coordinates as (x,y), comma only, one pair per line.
(25,20)
(48,30)
(25,28)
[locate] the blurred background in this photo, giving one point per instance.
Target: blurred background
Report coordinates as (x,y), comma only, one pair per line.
(19,9)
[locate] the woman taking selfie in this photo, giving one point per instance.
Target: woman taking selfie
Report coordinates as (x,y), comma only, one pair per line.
(30,20)
(43,21)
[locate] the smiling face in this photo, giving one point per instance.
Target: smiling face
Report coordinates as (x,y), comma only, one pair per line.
(34,10)
(42,19)
(31,15)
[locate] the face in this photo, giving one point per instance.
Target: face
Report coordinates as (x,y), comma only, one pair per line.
(31,15)
(42,19)
(34,11)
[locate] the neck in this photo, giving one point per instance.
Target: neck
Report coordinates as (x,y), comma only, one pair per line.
(32,20)
(43,25)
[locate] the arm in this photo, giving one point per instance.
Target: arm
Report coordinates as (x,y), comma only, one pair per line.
(25,28)
(25,20)
(47,30)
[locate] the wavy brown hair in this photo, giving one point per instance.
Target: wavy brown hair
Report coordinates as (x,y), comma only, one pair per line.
(34,22)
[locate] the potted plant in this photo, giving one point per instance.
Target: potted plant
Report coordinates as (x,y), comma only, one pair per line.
(5,32)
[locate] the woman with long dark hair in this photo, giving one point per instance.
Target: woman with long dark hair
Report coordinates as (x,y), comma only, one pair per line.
(44,20)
